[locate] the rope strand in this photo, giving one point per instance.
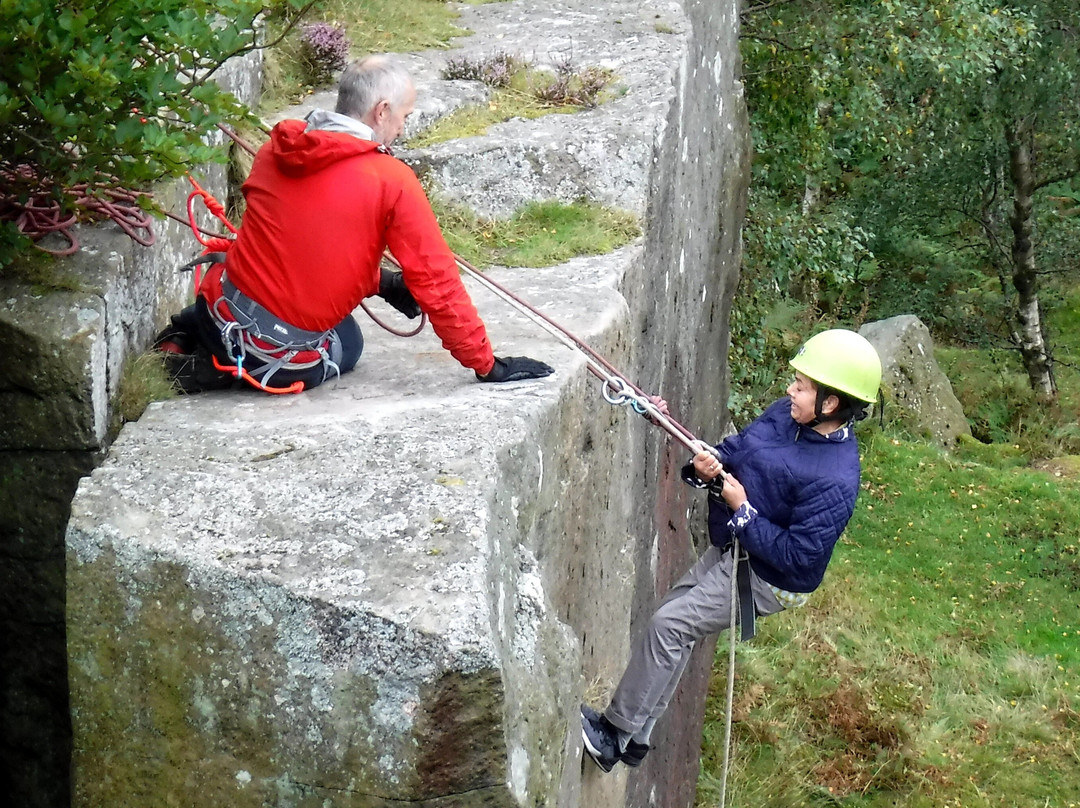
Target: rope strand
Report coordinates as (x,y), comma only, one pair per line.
(732,641)
(596,363)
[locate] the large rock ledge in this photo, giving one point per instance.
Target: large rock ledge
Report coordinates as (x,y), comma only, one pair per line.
(61,361)
(395,588)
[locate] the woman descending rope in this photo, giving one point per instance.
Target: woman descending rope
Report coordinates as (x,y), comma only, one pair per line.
(783,490)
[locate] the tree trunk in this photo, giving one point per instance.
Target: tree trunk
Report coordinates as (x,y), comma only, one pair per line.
(1027,328)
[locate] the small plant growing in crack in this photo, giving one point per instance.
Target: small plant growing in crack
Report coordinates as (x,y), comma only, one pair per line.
(519,90)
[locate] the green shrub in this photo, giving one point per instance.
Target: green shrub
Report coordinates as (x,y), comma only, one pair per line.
(120,92)
(1001,407)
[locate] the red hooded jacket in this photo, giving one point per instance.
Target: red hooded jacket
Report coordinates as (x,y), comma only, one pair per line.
(321,208)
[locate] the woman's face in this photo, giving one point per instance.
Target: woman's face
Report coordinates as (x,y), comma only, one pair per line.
(803,395)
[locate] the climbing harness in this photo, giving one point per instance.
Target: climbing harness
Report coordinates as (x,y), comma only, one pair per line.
(246,328)
(249,331)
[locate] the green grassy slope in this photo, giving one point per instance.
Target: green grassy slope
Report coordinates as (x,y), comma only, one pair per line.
(939,665)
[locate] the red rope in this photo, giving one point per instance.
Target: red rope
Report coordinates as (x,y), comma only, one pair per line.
(41,213)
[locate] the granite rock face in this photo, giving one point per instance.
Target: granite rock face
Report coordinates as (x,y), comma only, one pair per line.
(914,384)
(397,587)
(61,360)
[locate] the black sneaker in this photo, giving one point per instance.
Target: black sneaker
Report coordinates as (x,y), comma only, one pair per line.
(194,372)
(634,753)
(600,738)
(171,340)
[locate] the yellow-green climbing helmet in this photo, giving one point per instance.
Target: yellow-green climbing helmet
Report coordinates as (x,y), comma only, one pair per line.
(842,360)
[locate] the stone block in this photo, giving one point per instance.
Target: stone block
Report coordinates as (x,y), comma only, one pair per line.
(398,586)
(914,384)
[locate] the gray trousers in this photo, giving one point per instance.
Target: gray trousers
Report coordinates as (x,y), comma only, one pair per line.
(698,605)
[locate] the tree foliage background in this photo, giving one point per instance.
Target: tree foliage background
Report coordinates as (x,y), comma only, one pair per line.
(886,134)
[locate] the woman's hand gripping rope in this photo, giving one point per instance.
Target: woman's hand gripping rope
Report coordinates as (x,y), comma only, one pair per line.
(707,467)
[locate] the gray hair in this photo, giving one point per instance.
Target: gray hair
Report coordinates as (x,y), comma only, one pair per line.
(368,81)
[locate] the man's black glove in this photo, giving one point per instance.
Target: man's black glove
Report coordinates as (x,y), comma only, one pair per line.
(393,290)
(516,369)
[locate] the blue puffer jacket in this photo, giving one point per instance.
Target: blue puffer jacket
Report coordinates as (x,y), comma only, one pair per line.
(802,486)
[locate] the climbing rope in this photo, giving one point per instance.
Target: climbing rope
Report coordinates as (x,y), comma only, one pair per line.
(730,700)
(41,213)
(616,388)
(423,315)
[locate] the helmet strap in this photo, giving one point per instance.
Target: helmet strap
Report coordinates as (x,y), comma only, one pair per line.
(819,401)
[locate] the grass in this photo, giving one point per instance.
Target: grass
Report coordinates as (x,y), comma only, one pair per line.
(144,380)
(476,119)
(939,665)
(540,234)
(42,272)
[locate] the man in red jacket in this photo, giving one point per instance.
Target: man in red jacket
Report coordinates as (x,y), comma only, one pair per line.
(325,198)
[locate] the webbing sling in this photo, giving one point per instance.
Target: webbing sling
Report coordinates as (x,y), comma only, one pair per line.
(747,611)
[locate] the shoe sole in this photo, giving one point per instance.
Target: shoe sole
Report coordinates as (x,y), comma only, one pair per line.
(595,754)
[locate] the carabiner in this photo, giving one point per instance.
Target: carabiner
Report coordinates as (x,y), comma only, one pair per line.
(612,396)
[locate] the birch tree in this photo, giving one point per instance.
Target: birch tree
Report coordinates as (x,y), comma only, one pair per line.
(947,114)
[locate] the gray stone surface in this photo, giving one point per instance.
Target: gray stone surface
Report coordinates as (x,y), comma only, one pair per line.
(602,155)
(917,391)
(397,587)
(61,356)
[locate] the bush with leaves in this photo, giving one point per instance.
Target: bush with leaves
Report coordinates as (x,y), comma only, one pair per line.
(121,92)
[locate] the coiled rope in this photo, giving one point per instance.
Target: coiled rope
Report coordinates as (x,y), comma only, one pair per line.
(42,214)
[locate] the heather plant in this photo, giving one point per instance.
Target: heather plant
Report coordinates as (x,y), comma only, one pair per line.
(496,70)
(324,51)
(518,91)
(371,26)
(570,86)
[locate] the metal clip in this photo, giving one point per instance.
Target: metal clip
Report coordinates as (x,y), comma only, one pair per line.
(612,395)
